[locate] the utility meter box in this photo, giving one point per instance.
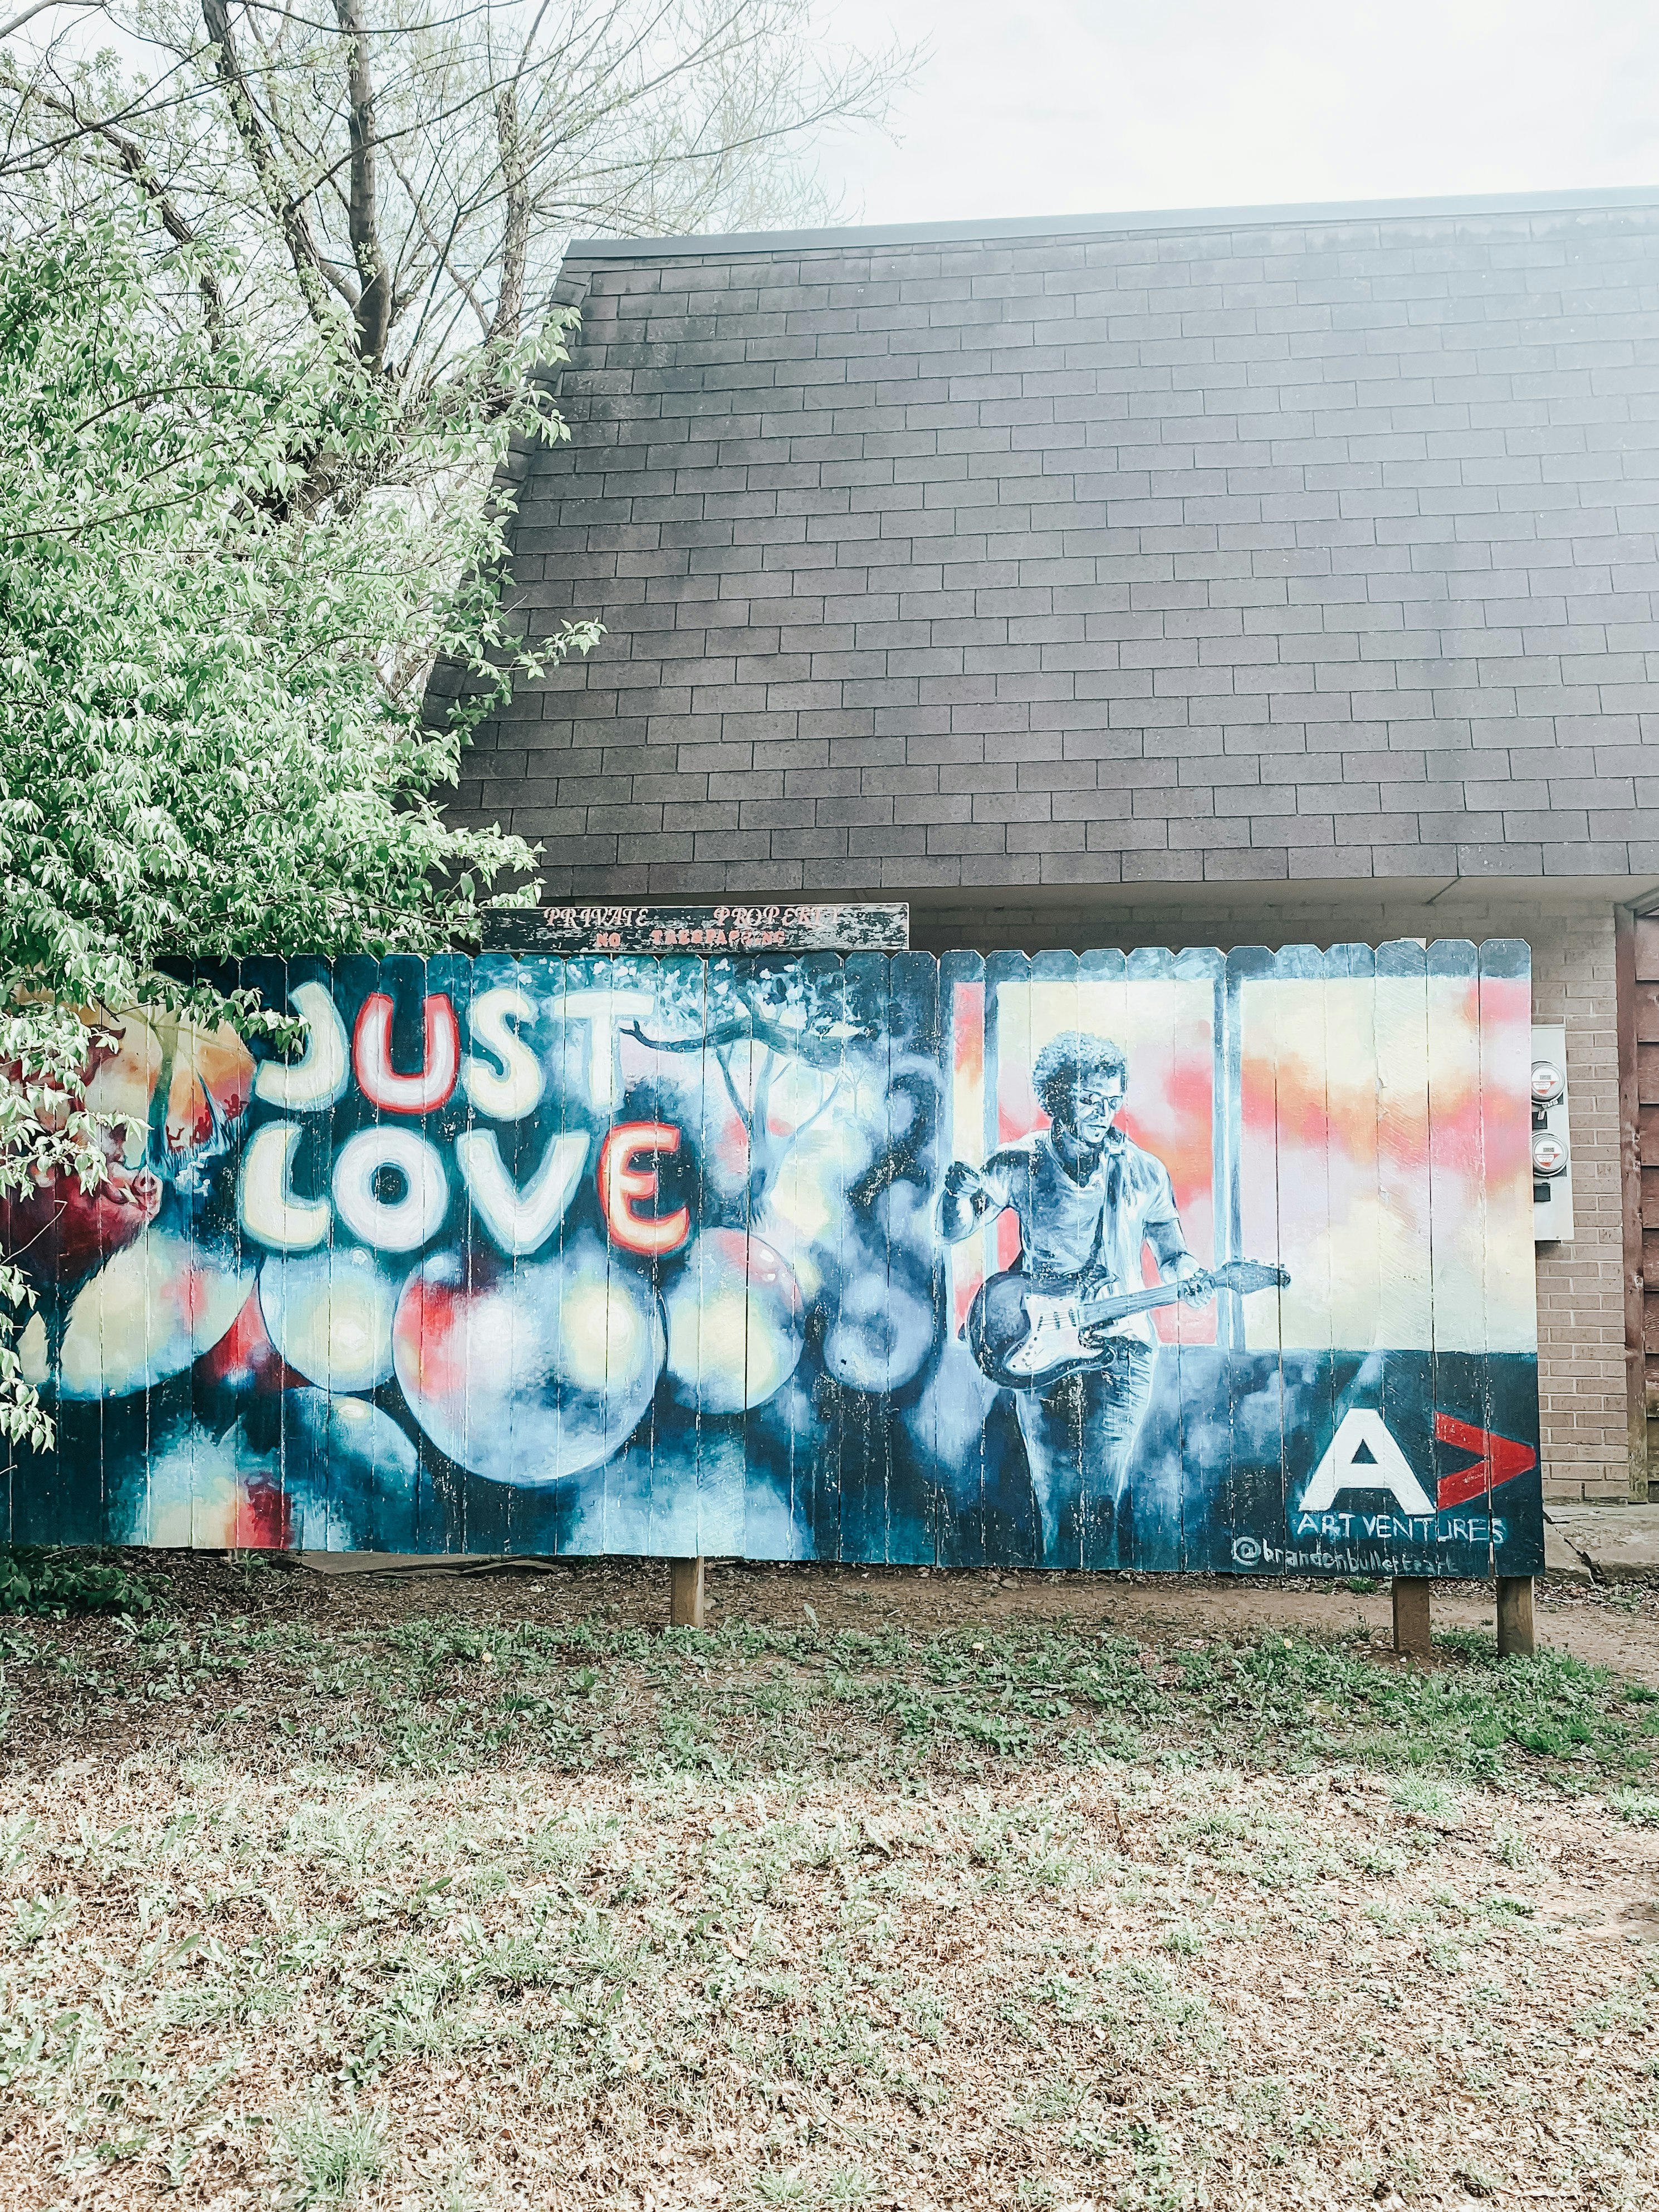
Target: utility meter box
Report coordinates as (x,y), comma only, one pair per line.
(1552,1144)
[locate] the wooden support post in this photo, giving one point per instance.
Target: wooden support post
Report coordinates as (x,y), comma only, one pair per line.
(1515,1635)
(685,1593)
(1411,1615)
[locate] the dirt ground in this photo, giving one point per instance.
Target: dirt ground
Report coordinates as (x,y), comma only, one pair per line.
(920,1893)
(1616,1627)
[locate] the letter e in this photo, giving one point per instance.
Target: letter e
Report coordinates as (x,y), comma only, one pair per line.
(621,1183)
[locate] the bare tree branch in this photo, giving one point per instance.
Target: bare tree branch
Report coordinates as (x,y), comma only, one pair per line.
(516,230)
(28,14)
(440,249)
(309,266)
(131,156)
(421,163)
(373,310)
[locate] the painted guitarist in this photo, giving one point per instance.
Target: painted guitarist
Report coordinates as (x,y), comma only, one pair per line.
(1088,1202)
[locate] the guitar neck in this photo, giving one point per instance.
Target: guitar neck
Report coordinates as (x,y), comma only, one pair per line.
(1128,1302)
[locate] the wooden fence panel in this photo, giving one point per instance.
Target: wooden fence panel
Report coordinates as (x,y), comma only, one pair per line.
(867,1256)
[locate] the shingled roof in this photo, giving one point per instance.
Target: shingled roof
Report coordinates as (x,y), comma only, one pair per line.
(1256,547)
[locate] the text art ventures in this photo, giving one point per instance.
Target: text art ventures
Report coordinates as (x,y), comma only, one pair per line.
(1170,1260)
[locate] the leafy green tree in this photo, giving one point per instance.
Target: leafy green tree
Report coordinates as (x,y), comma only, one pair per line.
(226,565)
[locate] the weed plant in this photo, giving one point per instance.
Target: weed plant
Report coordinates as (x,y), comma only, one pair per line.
(59,1582)
(747,1701)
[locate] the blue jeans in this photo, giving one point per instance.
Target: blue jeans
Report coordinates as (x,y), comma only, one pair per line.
(1078,1439)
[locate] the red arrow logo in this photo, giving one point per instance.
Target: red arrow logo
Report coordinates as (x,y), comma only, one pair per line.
(1501,1460)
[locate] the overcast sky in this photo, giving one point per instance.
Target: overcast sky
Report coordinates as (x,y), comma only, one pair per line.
(1075,106)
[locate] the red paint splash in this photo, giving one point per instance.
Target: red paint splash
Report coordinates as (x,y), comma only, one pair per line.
(262,1521)
(246,1358)
(431,1332)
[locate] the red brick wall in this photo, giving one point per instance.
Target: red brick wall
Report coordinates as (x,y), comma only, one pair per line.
(1582,1376)
(1641,1093)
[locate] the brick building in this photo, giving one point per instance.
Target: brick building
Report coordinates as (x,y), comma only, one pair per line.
(1261,576)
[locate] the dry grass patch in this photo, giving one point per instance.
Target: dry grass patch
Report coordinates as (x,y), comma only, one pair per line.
(458,1914)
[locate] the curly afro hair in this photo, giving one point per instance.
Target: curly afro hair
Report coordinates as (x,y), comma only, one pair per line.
(1067,1059)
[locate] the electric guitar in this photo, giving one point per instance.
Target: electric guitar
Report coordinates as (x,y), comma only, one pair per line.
(1026,1337)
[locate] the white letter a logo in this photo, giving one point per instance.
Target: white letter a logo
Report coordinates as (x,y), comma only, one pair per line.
(1363,1455)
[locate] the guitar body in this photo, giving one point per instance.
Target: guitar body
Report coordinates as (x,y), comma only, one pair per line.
(1028,1338)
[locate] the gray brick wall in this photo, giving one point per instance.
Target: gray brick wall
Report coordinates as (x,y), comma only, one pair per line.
(1300,553)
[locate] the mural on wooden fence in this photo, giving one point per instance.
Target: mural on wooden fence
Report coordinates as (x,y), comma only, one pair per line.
(1164,1260)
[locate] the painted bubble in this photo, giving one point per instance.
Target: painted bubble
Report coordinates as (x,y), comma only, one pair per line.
(244,1362)
(881,1334)
(185,1490)
(345,1473)
(736,1329)
(151,1309)
(531,1376)
(329,1314)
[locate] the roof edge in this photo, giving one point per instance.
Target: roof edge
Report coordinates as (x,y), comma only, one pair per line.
(1109,225)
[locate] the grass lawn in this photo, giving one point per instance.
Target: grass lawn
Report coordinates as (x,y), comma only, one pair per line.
(886,1891)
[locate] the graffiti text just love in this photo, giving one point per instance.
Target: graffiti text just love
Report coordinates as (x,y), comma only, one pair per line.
(406,1210)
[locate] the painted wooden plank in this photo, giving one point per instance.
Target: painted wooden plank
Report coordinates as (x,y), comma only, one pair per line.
(619,1371)
(838,1015)
(237,1385)
(1013,1522)
(914,1190)
(286,1210)
(482,1132)
(1457,1153)
(210,1132)
(1511,1454)
(959,1397)
(1315,1404)
(906,1201)
(1405,1324)
(786,1488)
(1379,1140)
(392,1203)
(872,1198)
(544,1278)
(1172,1533)
(858,1343)
(710,1271)
(1258,1384)
(1061,1421)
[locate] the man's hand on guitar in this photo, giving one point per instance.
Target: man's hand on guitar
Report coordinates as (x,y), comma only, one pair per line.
(1194,1283)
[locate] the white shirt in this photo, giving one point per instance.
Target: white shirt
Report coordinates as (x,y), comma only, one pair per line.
(1101,1225)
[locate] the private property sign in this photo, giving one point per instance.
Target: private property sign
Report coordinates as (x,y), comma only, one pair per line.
(806,927)
(1172,1260)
